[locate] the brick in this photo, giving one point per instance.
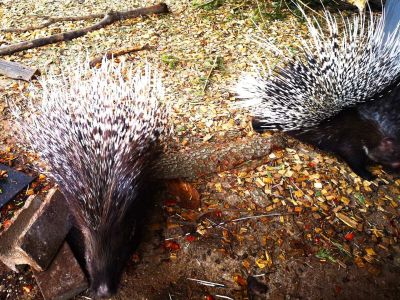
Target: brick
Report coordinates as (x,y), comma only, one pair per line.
(64,278)
(37,232)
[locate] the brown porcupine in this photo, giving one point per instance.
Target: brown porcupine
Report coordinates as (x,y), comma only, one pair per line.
(98,131)
(341,94)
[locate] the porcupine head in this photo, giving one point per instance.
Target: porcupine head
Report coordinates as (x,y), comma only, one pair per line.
(338,68)
(98,130)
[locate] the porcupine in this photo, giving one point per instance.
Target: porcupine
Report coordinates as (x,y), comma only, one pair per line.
(98,130)
(342,95)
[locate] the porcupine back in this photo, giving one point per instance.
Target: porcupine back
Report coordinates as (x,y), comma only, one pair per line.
(98,131)
(315,96)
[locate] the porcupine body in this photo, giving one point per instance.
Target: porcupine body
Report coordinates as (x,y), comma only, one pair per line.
(98,131)
(342,96)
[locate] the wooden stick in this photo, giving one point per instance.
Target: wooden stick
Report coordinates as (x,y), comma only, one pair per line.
(16,70)
(108,19)
(210,72)
(114,53)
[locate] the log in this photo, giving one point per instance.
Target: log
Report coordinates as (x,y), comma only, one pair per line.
(108,19)
(204,160)
(16,70)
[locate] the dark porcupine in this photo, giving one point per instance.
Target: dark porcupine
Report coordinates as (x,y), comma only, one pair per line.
(98,131)
(342,95)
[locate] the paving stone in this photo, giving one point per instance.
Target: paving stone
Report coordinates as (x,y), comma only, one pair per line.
(64,278)
(13,184)
(37,232)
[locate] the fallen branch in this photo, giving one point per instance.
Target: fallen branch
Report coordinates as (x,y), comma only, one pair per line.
(216,158)
(114,53)
(16,70)
(108,19)
(53,20)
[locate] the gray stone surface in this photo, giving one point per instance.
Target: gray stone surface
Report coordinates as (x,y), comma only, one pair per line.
(47,233)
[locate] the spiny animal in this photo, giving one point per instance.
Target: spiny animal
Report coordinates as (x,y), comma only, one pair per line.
(340,94)
(98,131)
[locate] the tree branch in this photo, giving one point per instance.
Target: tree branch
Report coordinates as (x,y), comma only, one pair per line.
(53,20)
(108,19)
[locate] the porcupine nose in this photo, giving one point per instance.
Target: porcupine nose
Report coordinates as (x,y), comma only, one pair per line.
(104,291)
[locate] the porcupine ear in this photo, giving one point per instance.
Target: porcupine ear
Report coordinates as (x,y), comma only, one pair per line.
(336,67)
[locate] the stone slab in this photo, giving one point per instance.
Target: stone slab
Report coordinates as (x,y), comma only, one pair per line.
(64,278)
(12,185)
(48,231)
(36,233)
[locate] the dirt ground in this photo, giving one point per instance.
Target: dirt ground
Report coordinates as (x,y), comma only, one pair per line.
(328,235)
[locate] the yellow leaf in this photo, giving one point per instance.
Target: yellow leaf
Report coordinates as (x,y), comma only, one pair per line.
(218,187)
(299,193)
(370,251)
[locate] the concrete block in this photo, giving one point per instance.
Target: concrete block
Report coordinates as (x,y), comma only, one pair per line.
(64,278)
(37,232)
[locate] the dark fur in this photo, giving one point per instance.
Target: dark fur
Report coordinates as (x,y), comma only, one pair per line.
(113,246)
(362,135)
(104,252)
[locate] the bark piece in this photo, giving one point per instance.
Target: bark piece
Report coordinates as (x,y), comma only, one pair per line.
(16,70)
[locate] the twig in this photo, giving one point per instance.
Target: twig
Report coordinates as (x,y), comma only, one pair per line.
(207,283)
(234,221)
(337,245)
(234,210)
(255,217)
(114,53)
(210,72)
(307,6)
(108,19)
